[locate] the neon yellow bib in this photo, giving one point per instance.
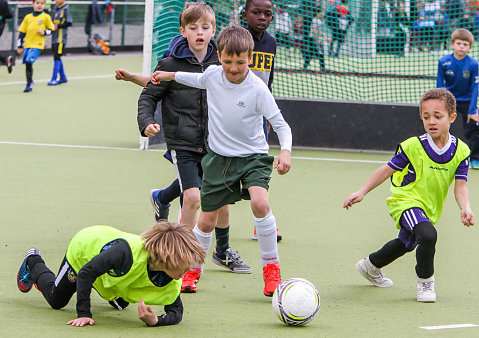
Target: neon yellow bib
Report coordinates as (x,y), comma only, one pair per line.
(429,190)
(132,286)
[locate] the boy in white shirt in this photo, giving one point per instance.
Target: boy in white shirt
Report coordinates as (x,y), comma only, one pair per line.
(237,165)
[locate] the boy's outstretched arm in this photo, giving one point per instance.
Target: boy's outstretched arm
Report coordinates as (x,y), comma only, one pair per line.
(160,75)
(123,74)
(462,198)
(377,178)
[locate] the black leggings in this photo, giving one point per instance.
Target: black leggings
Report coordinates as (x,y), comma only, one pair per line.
(29,71)
(426,237)
(57,290)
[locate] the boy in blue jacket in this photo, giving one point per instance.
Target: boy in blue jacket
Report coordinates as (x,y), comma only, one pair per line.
(458,73)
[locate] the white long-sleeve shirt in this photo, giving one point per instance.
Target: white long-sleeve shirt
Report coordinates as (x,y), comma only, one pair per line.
(235,113)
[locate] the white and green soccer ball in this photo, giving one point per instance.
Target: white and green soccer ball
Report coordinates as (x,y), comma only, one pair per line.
(296,301)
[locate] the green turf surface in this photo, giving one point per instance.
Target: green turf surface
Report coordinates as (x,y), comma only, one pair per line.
(49,193)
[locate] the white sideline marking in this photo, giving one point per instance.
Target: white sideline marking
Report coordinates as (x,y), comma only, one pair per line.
(336,159)
(443,327)
(70,78)
(162,149)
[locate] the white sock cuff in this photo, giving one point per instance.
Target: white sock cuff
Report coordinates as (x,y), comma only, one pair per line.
(205,238)
(200,233)
(265,218)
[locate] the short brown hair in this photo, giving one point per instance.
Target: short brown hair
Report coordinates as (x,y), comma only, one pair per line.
(440,94)
(462,34)
(235,39)
(194,11)
(173,245)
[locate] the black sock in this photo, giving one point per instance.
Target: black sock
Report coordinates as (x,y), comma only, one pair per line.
(170,193)
(222,239)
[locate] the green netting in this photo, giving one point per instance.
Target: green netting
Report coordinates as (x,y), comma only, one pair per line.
(366,50)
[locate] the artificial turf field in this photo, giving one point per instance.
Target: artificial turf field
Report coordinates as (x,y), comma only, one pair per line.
(69,159)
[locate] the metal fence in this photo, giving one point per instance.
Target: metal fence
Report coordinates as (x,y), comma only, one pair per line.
(123,26)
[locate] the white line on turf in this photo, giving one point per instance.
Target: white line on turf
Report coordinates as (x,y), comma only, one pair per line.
(70,78)
(443,327)
(162,149)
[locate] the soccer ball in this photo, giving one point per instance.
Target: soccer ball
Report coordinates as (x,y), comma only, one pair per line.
(296,301)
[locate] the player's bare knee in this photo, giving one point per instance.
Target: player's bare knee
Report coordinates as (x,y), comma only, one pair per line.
(260,208)
(207,222)
(191,198)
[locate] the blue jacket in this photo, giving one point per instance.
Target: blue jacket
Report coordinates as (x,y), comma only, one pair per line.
(460,77)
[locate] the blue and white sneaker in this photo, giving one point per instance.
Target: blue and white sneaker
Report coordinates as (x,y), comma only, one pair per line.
(475,164)
(161,211)
(24,281)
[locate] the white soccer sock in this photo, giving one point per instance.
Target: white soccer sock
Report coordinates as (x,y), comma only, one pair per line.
(266,232)
(205,239)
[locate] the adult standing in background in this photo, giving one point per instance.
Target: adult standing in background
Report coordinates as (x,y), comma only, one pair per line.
(308,10)
(5,13)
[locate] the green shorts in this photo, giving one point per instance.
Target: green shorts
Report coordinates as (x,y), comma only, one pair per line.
(226,179)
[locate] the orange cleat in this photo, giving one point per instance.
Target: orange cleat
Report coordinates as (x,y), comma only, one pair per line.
(272,278)
(189,280)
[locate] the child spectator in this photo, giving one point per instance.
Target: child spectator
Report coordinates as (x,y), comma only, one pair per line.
(458,73)
(5,13)
(309,46)
(237,165)
(319,40)
(343,22)
(62,19)
(421,172)
(150,266)
(33,29)
(258,15)
(184,118)
(283,28)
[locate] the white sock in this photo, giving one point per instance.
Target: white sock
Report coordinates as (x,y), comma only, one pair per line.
(266,232)
(205,239)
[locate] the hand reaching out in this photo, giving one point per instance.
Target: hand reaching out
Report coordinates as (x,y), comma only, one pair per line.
(122,74)
(353,198)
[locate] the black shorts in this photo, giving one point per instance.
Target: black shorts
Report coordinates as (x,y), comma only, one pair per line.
(188,168)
